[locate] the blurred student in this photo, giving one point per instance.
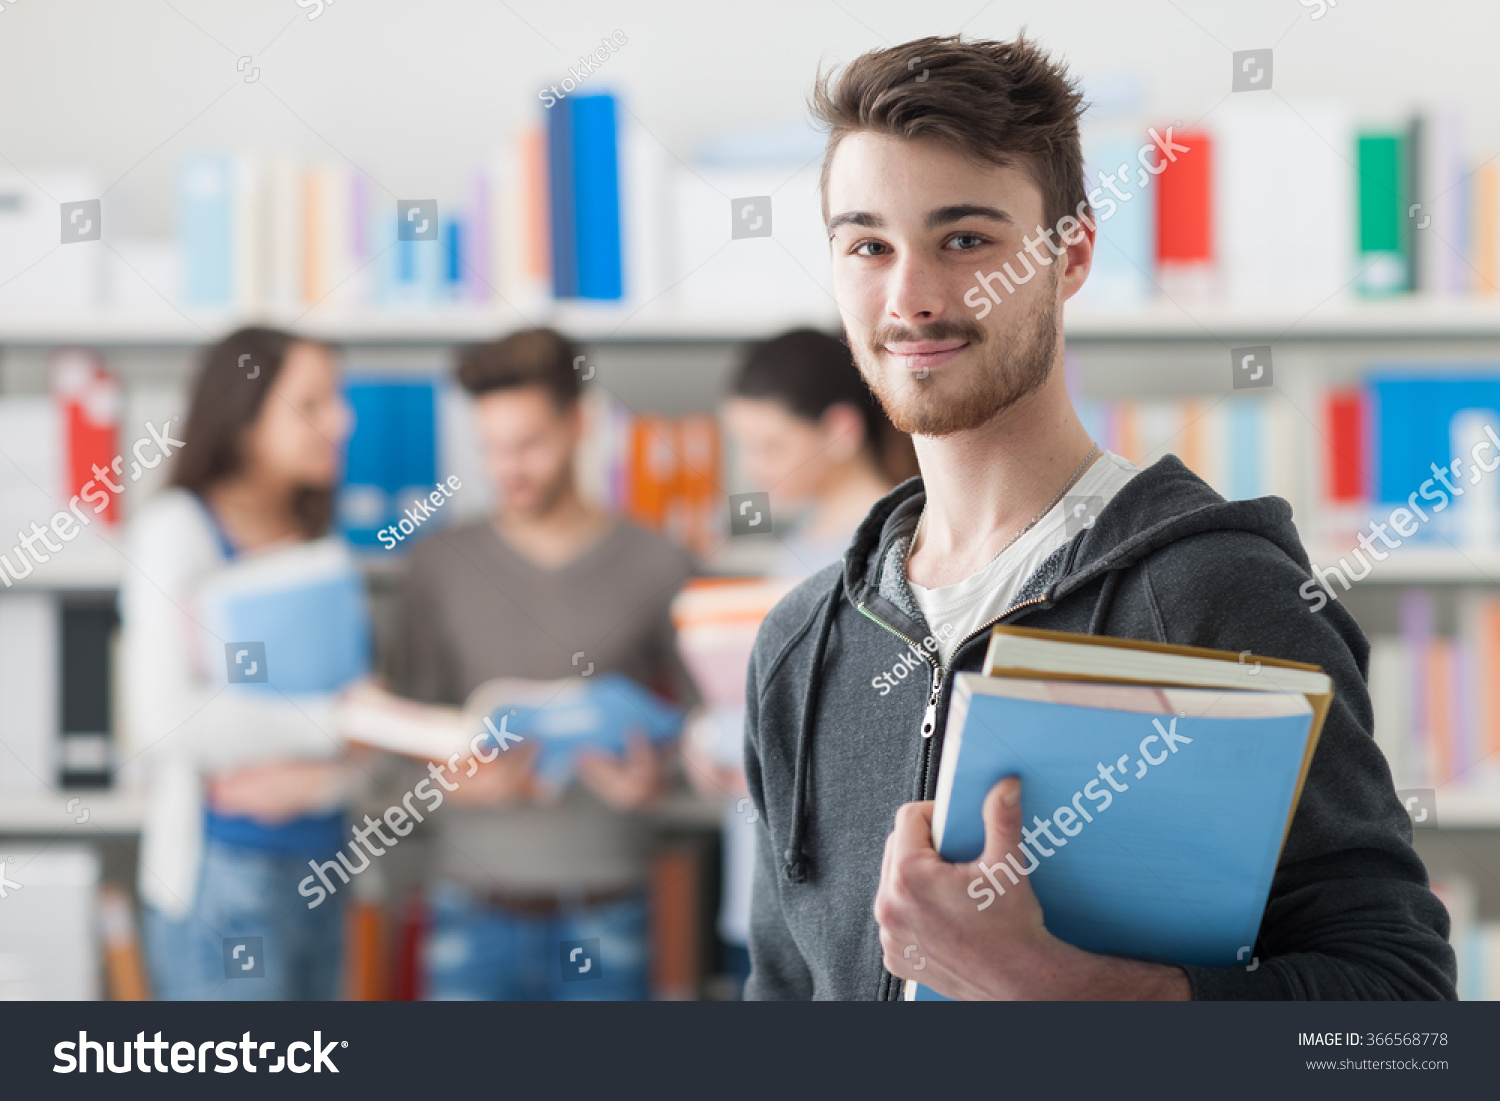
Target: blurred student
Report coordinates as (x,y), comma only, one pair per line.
(548,587)
(245,787)
(809,432)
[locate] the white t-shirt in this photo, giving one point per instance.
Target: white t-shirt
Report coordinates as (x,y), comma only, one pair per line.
(977,600)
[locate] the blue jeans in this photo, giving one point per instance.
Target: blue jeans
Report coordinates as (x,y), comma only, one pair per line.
(477,952)
(245,892)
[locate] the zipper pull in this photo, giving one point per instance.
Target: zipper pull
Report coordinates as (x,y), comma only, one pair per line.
(929,720)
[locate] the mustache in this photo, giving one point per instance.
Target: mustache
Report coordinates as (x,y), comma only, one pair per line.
(946,329)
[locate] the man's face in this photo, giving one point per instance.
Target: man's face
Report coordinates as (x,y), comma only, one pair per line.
(911,222)
(528,447)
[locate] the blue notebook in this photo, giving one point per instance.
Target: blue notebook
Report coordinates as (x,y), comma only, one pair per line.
(596,191)
(298,614)
(566,716)
(562,204)
(1177,866)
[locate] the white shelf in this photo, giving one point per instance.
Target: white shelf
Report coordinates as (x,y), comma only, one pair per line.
(113,811)
(1413,566)
(108,811)
(456,324)
(1410,317)
(1467,808)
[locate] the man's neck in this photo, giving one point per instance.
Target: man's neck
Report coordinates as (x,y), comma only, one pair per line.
(556,535)
(986,485)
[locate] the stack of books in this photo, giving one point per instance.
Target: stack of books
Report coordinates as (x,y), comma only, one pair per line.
(1164,777)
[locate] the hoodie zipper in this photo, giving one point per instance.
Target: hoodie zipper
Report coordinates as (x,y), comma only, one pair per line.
(929,720)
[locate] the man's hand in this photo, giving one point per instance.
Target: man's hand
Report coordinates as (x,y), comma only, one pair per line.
(624,783)
(1004,951)
(506,779)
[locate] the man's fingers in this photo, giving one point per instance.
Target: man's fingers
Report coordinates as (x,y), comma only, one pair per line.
(1002,820)
(912,834)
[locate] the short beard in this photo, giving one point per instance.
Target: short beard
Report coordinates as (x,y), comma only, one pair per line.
(1003,376)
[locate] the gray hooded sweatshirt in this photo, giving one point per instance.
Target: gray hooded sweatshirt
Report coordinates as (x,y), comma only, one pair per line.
(834,744)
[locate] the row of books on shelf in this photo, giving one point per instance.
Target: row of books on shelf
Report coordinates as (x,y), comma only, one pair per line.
(1263,202)
(1243,447)
(411,431)
(1269,201)
(1436,696)
(662,472)
(1362,451)
(581,204)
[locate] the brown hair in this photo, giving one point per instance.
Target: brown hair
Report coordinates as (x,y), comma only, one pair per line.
(807,371)
(998,103)
(225,404)
(531,357)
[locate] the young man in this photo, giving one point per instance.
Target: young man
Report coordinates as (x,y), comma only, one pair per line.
(930,185)
(518,869)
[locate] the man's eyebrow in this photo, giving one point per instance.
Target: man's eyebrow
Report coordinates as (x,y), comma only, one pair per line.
(856,218)
(946,215)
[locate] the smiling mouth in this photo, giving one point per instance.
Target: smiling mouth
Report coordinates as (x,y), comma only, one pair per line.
(923,355)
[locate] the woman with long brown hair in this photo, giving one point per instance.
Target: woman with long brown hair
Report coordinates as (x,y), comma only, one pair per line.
(246,780)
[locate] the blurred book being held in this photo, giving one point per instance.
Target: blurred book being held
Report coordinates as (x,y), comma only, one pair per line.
(1166,847)
(717,620)
(564,717)
(288,621)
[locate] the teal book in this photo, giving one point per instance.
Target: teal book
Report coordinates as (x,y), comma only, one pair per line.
(1385,254)
(1156,812)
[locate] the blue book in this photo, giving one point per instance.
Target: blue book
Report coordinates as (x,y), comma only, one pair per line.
(205,228)
(1165,807)
(298,614)
(1412,414)
(392,459)
(561,199)
(596,188)
(1248,424)
(567,716)
(1125,252)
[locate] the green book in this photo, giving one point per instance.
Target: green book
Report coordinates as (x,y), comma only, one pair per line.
(1384,237)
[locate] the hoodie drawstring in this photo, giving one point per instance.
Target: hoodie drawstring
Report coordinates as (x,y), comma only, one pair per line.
(794,866)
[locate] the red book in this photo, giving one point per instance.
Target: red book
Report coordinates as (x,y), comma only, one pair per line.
(90,400)
(1345,415)
(1184,202)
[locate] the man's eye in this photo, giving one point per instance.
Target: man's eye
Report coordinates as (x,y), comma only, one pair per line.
(962,242)
(870,248)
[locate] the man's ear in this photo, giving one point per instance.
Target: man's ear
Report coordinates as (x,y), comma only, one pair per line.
(1078,235)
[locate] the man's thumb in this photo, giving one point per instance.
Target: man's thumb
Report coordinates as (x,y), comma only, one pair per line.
(1002,820)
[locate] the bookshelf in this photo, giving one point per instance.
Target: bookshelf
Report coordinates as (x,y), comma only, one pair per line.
(663,357)
(1409,317)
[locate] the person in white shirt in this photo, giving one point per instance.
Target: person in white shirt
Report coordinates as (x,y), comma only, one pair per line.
(244,787)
